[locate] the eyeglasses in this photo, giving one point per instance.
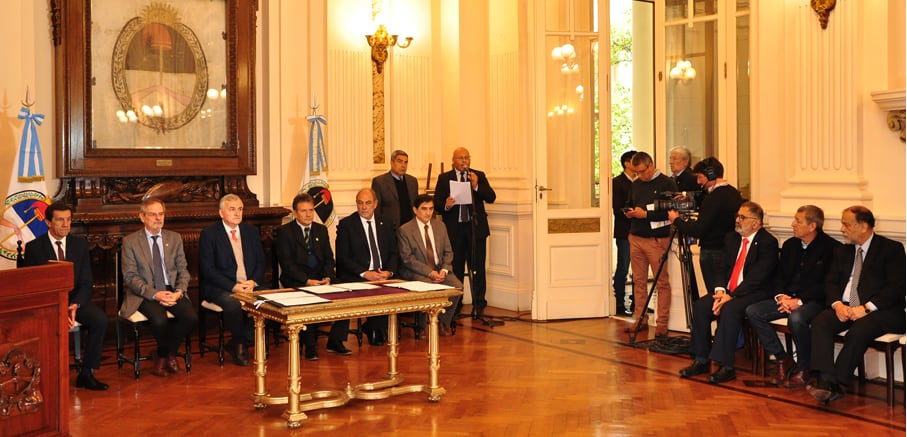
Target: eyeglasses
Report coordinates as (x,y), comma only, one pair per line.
(638,171)
(742,217)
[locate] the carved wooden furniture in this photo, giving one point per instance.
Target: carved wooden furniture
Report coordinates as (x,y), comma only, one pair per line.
(34,369)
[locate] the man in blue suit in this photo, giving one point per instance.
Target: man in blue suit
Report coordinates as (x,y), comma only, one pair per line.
(231,259)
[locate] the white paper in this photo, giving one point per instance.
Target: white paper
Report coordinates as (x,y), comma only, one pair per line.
(323,289)
(461,192)
(294,298)
(419,286)
(356,286)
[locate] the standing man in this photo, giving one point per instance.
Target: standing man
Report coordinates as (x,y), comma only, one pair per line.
(620,194)
(58,245)
(751,254)
(717,212)
(799,295)
(367,251)
(396,191)
(679,161)
(650,233)
(306,259)
(866,290)
(426,255)
(467,225)
(156,278)
(231,259)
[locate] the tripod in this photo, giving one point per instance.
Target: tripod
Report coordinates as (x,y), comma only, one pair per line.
(690,287)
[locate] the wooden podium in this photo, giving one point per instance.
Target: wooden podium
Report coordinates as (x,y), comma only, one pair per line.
(34,370)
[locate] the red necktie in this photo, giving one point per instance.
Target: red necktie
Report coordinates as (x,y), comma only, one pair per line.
(60,255)
(738,266)
(233,234)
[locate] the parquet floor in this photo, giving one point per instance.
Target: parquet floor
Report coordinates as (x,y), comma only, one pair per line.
(564,378)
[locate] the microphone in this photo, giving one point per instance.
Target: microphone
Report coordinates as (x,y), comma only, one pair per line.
(467,171)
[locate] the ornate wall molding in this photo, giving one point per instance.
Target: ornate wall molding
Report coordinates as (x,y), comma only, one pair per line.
(892,101)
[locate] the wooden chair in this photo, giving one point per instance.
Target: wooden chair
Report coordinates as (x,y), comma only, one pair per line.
(206,308)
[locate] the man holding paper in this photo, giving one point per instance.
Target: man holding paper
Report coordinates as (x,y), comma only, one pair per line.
(306,259)
(426,255)
(460,196)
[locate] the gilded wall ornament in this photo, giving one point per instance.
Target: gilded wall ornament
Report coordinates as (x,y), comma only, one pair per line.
(823,8)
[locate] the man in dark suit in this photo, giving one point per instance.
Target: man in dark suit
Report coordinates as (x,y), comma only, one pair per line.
(467,224)
(396,191)
(679,160)
(231,259)
(865,289)
(751,254)
(799,295)
(620,194)
(304,253)
(367,251)
(426,255)
(156,277)
(58,245)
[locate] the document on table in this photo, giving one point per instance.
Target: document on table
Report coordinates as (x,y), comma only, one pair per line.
(419,286)
(323,289)
(461,192)
(352,286)
(293,298)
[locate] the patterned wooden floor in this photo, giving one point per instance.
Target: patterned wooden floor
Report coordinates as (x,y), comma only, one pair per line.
(566,378)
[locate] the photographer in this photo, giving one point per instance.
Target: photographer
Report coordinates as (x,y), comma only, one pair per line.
(649,237)
(716,217)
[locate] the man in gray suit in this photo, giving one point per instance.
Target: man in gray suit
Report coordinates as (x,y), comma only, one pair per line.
(426,255)
(395,191)
(156,278)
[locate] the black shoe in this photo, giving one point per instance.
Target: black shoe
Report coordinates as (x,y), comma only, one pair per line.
(87,380)
(622,311)
(825,391)
(697,368)
(338,348)
(723,374)
(375,337)
(453,327)
(311,355)
(238,353)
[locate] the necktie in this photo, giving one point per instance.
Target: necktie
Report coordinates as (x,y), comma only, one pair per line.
(738,266)
(60,255)
(306,241)
(853,297)
(429,249)
(373,247)
(464,209)
(236,245)
(157,265)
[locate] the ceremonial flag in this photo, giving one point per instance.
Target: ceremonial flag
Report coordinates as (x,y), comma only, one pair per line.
(24,207)
(315,179)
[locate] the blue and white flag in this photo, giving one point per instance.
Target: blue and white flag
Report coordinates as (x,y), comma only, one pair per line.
(315,179)
(26,202)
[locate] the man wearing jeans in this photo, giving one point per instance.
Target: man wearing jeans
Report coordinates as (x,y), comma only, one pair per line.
(620,193)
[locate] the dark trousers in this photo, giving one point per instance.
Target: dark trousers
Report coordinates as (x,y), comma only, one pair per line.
(339,331)
(760,316)
(169,333)
(470,252)
(620,272)
(730,321)
(94,321)
(860,335)
(235,319)
(710,261)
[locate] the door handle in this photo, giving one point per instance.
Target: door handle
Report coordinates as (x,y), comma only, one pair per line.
(542,189)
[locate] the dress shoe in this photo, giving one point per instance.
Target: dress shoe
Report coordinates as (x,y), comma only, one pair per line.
(238,352)
(172,365)
(160,366)
(782,368)
(311,355)
(338,348)
(797,379)
(444,330)
(826,391)
(697,368)
(723,374)
(87,380)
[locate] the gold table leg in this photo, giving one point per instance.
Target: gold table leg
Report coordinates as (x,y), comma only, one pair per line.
(435,391)
(261,369)
(293,413)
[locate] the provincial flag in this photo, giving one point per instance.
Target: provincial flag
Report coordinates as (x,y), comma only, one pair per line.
(22,218)
(315,179)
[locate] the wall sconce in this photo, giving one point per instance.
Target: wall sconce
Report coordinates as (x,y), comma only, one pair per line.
(566,55)
(380,42)
(683,71)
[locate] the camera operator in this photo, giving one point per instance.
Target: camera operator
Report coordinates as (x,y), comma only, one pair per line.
(649,237)
(716,217)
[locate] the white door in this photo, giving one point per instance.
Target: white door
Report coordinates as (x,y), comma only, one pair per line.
(573,150)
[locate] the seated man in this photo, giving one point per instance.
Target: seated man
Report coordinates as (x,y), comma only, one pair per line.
(426,255)
(305,257)
(231,259)
(865,287)
(751,254)
(58,245)
(800,295)
(156,278)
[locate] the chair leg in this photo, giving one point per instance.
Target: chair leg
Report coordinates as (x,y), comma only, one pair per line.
(202,330)
(120,345)
(889,373)
(220,339)
(136,357)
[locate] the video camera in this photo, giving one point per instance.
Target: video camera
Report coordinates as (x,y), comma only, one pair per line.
(681,201)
